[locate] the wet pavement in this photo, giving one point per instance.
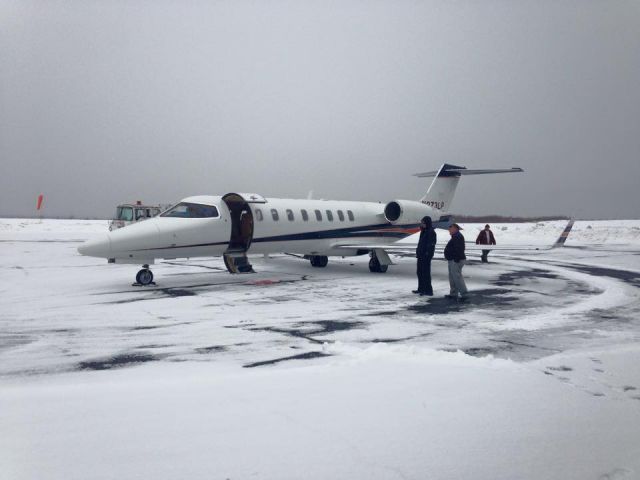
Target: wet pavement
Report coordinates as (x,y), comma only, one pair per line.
(519,308)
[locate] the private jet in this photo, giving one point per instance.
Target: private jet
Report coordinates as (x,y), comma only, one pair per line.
(238,224)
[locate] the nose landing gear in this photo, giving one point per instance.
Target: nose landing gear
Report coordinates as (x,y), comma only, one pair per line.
(144,277)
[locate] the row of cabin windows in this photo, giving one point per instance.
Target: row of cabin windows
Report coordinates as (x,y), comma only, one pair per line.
(305,216)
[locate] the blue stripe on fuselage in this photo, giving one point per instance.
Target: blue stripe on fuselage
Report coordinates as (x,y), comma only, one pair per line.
(350,232)
(346,233)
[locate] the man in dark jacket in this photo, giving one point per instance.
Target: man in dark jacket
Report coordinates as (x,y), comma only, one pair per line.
(454,253)
(485,237)
(424,254)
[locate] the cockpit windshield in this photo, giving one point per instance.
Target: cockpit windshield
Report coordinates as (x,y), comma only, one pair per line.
(191,210)
(124,213)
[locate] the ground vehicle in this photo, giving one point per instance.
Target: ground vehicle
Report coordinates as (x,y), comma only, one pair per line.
(128,213)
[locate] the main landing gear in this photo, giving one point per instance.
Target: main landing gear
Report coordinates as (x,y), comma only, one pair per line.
(319,261)
(144,277)
(375,266)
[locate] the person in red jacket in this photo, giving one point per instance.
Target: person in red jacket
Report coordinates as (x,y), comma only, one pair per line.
(485,237)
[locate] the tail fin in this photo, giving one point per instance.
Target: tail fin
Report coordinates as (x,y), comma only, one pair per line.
(443,187)
(564,235)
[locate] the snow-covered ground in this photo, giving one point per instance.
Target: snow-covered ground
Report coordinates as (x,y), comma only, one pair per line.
(298,372)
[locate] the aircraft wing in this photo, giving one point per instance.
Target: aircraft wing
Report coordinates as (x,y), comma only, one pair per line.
(405,248)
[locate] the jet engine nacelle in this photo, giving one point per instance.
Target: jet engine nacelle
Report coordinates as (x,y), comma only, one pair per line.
(407,211)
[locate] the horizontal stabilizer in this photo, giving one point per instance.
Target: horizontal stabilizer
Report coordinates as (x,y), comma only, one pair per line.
(458,171)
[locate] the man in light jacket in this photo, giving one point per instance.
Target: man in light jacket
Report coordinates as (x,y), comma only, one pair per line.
(454,253)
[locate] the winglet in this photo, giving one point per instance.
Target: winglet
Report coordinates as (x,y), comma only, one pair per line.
(564,235)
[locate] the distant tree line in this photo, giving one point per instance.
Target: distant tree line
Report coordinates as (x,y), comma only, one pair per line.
(502,219)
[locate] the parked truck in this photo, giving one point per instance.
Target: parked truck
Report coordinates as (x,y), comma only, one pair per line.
(128,213)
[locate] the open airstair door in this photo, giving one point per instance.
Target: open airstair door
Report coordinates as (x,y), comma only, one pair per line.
(235,258)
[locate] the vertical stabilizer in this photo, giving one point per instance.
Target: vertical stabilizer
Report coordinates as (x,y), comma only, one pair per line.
(443,187)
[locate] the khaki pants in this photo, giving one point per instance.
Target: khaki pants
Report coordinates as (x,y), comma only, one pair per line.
(456,282)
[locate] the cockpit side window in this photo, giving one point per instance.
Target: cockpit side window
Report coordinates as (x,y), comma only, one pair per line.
(192,210)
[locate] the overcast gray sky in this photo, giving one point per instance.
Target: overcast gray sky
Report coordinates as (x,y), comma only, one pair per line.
(107,101)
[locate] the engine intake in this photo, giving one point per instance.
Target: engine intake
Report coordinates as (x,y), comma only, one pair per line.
(393,211)
(407,211)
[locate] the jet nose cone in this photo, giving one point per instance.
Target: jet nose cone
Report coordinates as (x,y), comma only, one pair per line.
(97,247)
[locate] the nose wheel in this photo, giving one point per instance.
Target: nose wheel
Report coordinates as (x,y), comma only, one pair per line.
(144,277)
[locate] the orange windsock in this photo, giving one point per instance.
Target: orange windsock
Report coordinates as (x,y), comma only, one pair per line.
(40,200)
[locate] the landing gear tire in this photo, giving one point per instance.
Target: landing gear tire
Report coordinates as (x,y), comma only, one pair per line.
(144,277)
(319,261)
(376,267)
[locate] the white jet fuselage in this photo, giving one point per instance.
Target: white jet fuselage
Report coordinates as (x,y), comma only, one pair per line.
(306,227)
(239,224)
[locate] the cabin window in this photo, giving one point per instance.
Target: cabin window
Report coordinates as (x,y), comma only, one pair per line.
(329,215)
(274,214)
(350,215)
(290,215)
(318,215)
(259,215)
(191,210)
(341,215)
(305,215)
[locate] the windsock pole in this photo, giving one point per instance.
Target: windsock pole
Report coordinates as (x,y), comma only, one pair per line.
(39,203)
